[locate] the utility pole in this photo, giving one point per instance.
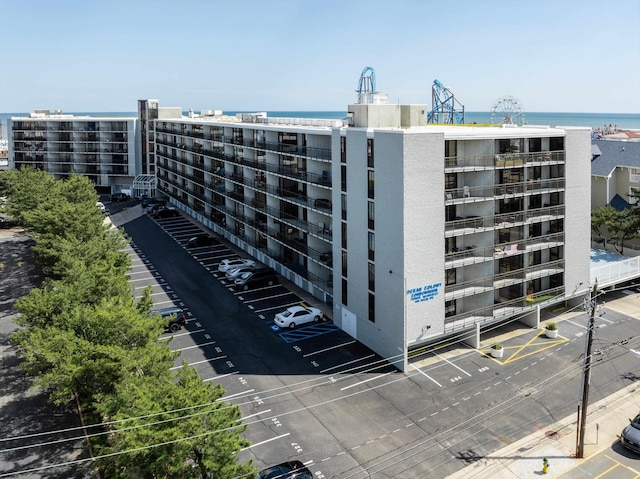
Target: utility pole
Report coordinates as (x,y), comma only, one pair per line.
(586,379)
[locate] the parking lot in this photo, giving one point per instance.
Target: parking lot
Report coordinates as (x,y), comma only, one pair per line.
(316,394)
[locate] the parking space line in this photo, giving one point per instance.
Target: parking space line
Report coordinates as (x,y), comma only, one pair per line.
(455,366)
(187,333)
(242,394)
(216,378)
(282,306)
(366,381)
(199,362)
(425,374)
(327,349)
(308,332)
(347,363)
(618,463)
(195,346)
(264,442)
(268,297)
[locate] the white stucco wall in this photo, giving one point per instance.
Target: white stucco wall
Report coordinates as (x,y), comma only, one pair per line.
(578,209)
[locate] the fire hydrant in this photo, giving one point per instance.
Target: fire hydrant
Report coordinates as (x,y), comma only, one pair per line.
(545,465)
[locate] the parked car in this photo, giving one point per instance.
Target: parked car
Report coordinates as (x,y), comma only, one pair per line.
(117,197)
(256,278)
(174,317)
(155,207)
(227,264)
(103,209)
(148,202)
(630,437)
(234,273)
(296,315)
(286,470)
(168,212)
(202,240)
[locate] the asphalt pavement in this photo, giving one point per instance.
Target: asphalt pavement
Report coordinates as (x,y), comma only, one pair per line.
(557,442)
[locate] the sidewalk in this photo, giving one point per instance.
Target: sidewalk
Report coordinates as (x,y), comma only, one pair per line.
(557,443)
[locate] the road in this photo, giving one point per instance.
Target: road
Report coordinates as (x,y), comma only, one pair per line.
(319,396)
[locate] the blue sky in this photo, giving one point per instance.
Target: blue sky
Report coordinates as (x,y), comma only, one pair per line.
(89,55)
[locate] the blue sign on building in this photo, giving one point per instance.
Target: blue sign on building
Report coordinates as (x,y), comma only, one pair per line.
(424,293)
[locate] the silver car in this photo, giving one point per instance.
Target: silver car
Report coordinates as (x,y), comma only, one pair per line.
(631,435)
(234,273)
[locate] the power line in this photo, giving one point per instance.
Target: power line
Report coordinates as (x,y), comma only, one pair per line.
(380,362)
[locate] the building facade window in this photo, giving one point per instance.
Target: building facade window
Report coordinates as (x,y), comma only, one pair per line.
(372,246)
(344,235)
(372,307)
(344,292)
(344,264)
(450,308)
(343,149)
(370,153)
(343,206)
(370,184)
(451,276)
(343,178)
(372,277)
(371,215)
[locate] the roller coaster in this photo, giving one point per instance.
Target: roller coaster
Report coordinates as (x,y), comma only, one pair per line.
(366,84)
(445,109)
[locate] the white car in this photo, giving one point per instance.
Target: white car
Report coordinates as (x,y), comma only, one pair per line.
(227,264)
(296,315)
(234,273)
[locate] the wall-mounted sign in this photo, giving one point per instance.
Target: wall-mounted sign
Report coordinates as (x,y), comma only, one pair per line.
(424,293)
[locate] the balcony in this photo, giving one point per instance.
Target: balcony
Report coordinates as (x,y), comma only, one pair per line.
(506,160)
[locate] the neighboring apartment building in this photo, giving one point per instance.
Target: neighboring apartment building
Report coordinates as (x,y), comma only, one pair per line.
(105,149)
(615,171)
(411,232)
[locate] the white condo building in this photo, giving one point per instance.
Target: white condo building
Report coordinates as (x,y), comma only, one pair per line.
(410,232)
(105,149)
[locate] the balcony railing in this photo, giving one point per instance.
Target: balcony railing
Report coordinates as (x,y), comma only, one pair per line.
(485,192)
(494,312)
(505,160)
(503,220)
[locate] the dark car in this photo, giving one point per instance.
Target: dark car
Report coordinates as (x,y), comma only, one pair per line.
(154,207)
(202,240)
(630,437)
(257,278)
(286,470)
(175,318)
(117,197)
(166,213)
(149,202)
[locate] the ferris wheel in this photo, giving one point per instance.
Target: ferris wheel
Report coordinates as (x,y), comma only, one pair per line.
(508,111)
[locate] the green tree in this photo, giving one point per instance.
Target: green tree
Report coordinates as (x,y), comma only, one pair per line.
(86,350)
(25,190)
(178,441)
(615,227)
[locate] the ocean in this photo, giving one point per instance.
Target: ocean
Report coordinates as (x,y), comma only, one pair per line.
(626,121)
